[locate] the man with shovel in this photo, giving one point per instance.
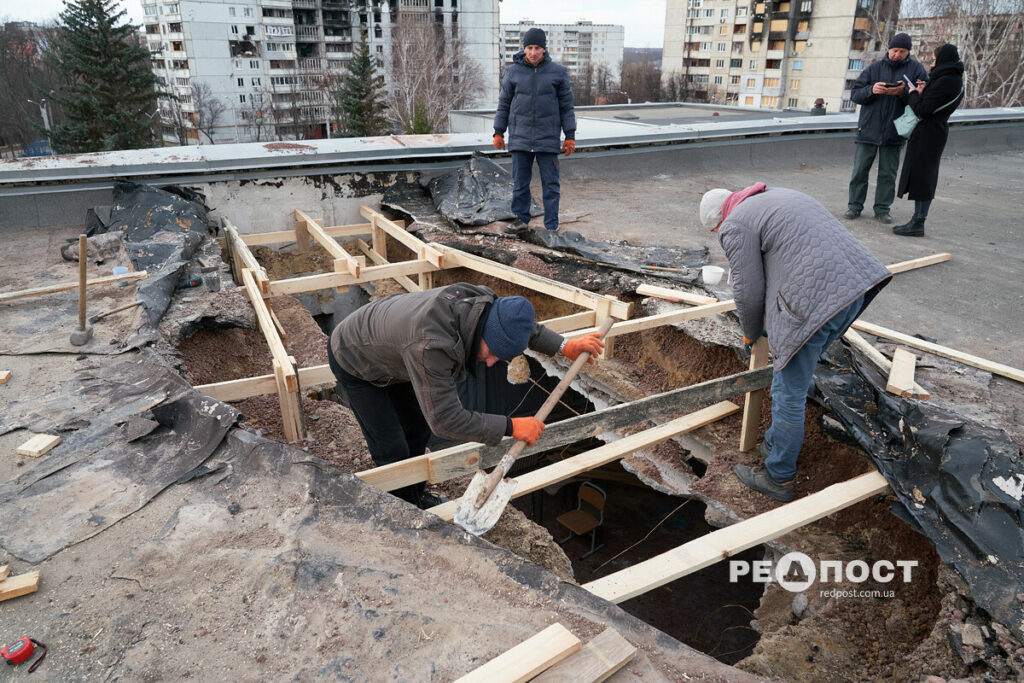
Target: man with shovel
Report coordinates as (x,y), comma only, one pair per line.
(398,359)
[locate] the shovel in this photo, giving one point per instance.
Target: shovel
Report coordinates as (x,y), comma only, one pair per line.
(488,494)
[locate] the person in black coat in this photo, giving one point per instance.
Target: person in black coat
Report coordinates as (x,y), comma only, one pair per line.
(933,103)
(536,107)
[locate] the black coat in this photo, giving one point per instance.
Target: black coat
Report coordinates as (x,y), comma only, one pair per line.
(536,106)
(877,112)
(920,174)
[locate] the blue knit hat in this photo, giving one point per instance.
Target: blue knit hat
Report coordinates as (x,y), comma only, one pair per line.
(901,40)
(535,36)
(508,327)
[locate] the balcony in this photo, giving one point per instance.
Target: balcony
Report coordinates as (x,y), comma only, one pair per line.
(306,4)
(775,54)
(307,33)
(311,64)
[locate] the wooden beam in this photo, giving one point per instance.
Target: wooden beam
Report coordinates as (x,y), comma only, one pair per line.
(238,389)
(657,320)
(467,458)
(343,261)
(854,338)
(399,474)
(901,374)
(281,236)
(312,283)
(939,350)
(620,310)
(15,586)
(904,266)
(5,376)
(571,322)
(240,251)
(64,286)
(595,661)
(38,445)
(291,419)
(750,430)
(729,541)
(675,295)
(266,323)
(428,252)
(406,282)
(602,455)
(528,658)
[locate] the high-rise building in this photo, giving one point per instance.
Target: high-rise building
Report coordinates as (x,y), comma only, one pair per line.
(772,54)
(579,47)
(266,62)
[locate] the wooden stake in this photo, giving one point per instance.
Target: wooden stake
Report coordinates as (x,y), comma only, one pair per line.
(901,374)
(750,430)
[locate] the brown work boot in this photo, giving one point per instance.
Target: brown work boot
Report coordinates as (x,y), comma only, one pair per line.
(759,480)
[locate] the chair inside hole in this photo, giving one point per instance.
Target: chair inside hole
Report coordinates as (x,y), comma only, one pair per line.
(588,515)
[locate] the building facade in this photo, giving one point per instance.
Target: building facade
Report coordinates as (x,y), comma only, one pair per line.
(583,47)
(269,64)
(772,54)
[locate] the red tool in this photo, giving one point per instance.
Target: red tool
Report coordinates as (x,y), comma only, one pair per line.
(21,650)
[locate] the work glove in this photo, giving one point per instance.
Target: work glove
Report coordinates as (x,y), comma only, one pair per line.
(748,344)
(499,141)
(568,147)
(527,429)
(591,343)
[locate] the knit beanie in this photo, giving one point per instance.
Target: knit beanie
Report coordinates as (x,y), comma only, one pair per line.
(711,207)
(535,36)
(509,326)
(900,40)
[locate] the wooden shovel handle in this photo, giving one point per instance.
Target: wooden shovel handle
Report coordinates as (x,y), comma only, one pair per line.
(499,472)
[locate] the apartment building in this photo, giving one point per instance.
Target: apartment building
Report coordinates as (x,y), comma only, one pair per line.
(772,54)
(266,61)
(579,47)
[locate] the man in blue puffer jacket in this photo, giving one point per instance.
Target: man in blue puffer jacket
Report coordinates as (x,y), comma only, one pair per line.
(535,105)
(877,90)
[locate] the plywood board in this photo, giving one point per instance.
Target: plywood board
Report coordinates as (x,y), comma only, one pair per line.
(901,374)
(595,661)
(528,658)
(38,445)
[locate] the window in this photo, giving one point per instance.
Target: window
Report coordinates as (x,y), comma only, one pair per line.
(769,101)
(173,9)
(718,80)
(806,6)
(798,65)
(719,63)
(241,82)
(741,11)
(720,47)
(174,28)
(748,100)
(725,13)
(241,98)
(794,84)
(254,63)
(177,45)
(734,80)
(791,102)
(150,10)
(709,13)
(705,46)
(854,65)
(234,30)
(721,30)
(247,11)
(256,81)
(752,65)
(735,63)
(231,11)
(771,82)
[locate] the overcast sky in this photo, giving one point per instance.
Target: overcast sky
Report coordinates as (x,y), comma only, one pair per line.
(644,19)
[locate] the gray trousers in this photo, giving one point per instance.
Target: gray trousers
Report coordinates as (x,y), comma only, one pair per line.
(885,183)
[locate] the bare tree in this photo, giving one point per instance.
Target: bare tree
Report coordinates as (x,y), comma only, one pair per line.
(642,81)
(25,75)
(429,75)
(208,109)
(257,114)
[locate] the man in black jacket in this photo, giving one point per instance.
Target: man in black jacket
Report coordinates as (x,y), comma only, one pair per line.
(536,106)
(877,90)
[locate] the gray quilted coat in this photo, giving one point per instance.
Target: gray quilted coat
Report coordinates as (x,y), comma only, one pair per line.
(794,267)
(535,105)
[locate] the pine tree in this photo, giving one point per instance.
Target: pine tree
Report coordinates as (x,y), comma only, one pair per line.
(362,110)
(111,93)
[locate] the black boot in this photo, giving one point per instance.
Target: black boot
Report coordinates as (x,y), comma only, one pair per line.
(913,228)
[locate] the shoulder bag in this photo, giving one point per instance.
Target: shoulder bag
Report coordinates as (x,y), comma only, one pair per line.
(908,119)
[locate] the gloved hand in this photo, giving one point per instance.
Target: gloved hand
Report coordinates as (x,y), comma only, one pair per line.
(748,344)
(499,141)
(527,429)
(568,147)
(590,343)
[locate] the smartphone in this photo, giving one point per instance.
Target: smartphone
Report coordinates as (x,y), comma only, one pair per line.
(892,85)
(910,83)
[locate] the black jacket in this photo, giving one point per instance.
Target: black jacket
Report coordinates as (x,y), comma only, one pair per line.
(535,105)
(877,112)
(920,174)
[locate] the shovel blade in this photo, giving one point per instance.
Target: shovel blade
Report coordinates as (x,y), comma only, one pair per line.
(479,521)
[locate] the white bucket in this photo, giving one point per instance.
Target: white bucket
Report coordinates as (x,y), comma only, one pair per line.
(712,275)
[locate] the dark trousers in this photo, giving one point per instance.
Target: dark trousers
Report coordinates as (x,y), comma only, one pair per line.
(885,182)
(522,174)
(391,420)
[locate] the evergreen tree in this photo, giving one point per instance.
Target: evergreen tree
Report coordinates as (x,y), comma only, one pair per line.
(111,96)
(362,110)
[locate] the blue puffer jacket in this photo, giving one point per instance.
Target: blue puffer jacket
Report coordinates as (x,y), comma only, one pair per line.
(535,105)
(877,112)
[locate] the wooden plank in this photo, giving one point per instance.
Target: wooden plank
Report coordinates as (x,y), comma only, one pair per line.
(343,261)
(594,662)
(406,282)
(657,320)
(901,374)
(286,397)
(397,475)
(266,324)
(64,286)
(571,322)
(854,338)
(312,283)
(939,350)
(675,295)
(38,445)
(465,459)
(727,542)
(528,658)
(259,273)
(429,252)
(455,258)
(301,235)
(904,266)
(750,429)
(15,586)
(5,569)
(5,376)
(602,455)
(277,324)
(237,389)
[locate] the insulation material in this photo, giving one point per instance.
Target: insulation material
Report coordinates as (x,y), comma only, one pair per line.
(477,193)
(957,481)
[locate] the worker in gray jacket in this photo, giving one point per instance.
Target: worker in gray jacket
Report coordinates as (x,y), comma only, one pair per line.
(801,279)
(398,359)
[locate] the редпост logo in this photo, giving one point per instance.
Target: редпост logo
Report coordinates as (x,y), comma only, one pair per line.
(796,572)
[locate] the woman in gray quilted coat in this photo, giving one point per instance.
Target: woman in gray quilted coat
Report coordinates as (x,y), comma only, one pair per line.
(801,279)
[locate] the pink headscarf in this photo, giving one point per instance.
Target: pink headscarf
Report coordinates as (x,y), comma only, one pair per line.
(733,200)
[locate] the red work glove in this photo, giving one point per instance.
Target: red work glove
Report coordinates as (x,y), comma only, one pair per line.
(590,343)
(568,147)
(499,141)
(527,429)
